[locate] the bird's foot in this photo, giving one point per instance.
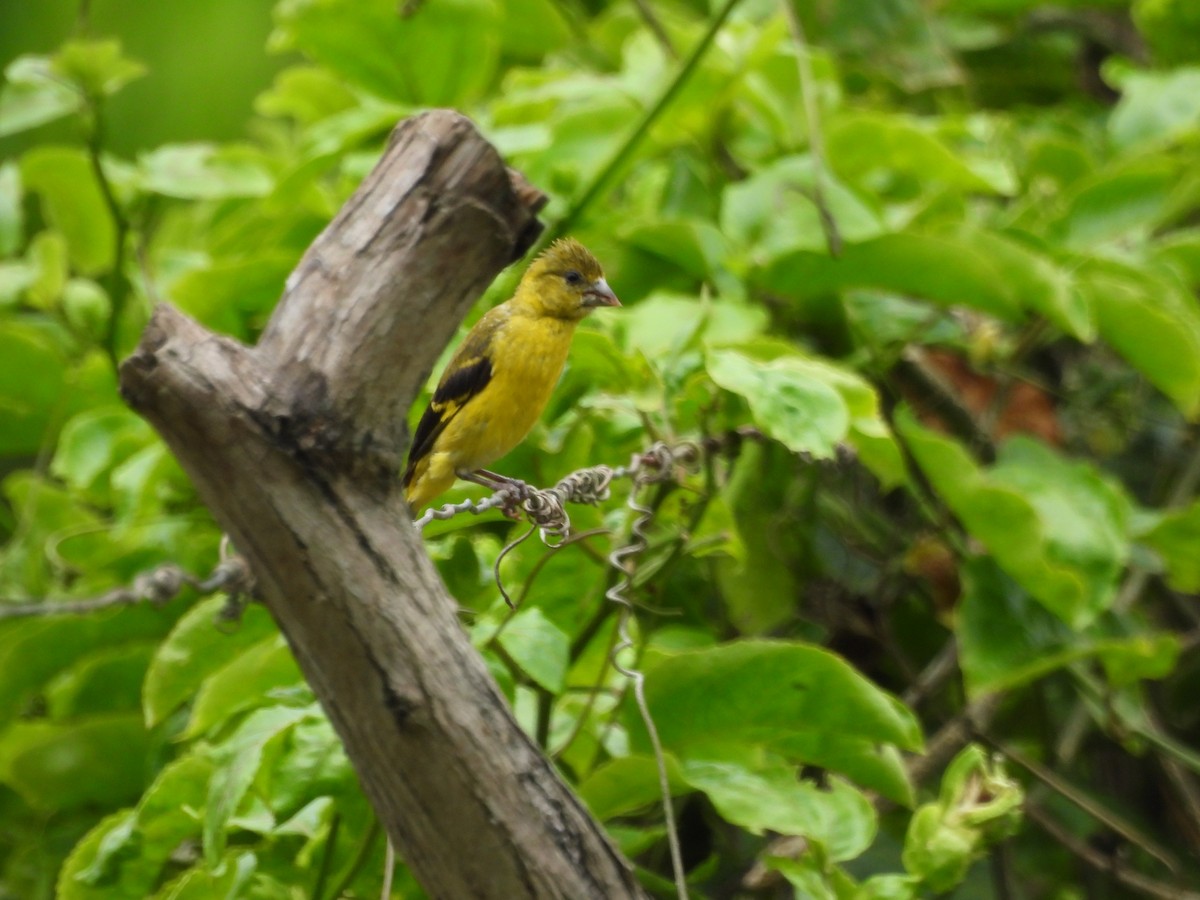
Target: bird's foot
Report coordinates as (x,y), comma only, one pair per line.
(518,491)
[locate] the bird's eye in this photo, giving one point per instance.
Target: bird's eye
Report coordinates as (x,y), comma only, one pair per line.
(573,277)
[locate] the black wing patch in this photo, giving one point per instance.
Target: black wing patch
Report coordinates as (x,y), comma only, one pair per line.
(455,390)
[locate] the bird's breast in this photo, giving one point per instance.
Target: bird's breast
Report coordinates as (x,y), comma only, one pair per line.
(526,364)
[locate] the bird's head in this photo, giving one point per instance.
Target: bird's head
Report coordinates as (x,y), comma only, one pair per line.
(565,282)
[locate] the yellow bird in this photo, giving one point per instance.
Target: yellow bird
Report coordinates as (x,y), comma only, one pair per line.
(497,384)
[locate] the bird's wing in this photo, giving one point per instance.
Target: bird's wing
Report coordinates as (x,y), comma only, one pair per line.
(468,373)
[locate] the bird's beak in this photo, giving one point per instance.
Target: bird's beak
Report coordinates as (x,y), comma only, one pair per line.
(600,294)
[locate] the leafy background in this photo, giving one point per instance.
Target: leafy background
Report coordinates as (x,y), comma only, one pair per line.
(930,636)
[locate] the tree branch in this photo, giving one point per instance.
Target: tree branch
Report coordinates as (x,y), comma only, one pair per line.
(295,446)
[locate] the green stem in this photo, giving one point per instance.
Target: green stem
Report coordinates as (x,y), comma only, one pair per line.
(600,183)
(356,865)
(114,282)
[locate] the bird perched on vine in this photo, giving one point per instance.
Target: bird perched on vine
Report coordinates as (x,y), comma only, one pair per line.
(498,382)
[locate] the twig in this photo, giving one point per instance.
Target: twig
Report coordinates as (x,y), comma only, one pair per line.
(155,586)
(1102,862)
(656,28)
(1069,792)
(816,139)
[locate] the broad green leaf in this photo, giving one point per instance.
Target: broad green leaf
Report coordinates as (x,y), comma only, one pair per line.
(943,269)
(863,143)
(663,325)
(791,399)
(772,212)
(1006,640)
(1180,249)
(47,258)
(87,309)
(107,680)
(1176,538)
(1171,27)
(1040,285)
(538,646)
(441,52)
(204,172)
(248,680)
(73,203)
(228,879)
(1124,202)
(238,760)
(761,793)
(96,67)
(93,442)
(53,766)
(92,857)
(1156,106)
(692,245)
(223,294)
(12,217)
(763,692)
(32,381)
(1058,527)
(198,646)
(306,94)
(1153,324)
(760,592)
(34,94)
(312,763)
(871,765)
(627,784)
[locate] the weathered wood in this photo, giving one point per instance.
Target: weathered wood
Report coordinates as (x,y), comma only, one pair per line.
(275,439)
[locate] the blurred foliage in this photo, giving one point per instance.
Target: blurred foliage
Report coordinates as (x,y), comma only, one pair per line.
(959,301)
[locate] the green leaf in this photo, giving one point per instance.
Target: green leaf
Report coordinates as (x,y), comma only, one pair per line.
(94,855)
(107,680)
(53,766)
(74,204)
(862,143)
(1058,527)
(1156,106)
(943,269)
(1006,639)
(791,399)
(92,443)
(31,383)
(438,53)
(538,646)
(1122,203)
(12,217)
(1154,324)
(228,879)
(628,784)
(766,691)
(763,793)
(246,681)
(306,94)
(1040,285)
(238,760)
(1175,538)
(224,292)
(204,172)
(197,648)
(34,94)
(771,213)
(96,66)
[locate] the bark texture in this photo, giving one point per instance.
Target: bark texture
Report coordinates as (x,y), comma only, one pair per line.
(295,445)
